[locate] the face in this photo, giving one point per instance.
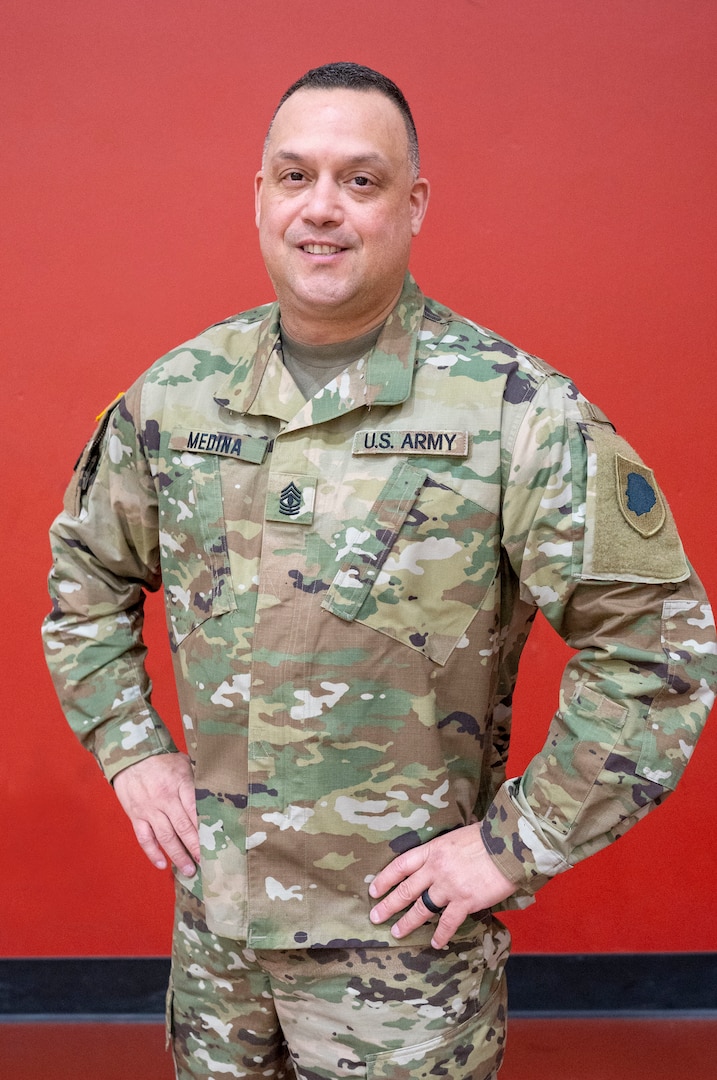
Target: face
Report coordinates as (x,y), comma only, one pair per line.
(337,206)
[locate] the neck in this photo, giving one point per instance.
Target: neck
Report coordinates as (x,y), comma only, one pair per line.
(307,329)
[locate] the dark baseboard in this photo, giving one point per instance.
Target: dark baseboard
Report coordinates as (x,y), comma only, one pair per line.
(612,983)
(587,984)
(84,986)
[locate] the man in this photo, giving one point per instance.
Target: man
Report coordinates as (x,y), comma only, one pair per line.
(355,502)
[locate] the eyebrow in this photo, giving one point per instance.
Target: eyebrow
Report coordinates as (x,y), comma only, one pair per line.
(369,158)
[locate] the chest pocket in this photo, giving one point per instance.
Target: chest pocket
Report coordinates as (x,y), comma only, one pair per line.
(420,567)
(195,561)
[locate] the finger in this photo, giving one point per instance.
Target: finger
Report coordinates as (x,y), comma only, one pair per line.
(158,836)
(401,867)
(146,840)
(170,833)
(416,916)
(186,823)
(448,923)
(407,892)
(189,802)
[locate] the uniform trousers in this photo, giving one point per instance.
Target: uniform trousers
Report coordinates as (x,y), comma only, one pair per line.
(398,1013)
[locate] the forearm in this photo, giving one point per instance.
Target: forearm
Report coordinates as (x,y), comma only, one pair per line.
(633,703)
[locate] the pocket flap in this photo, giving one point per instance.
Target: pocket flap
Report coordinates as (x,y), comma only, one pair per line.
(370,546)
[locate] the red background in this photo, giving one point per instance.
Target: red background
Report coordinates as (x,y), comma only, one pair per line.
(572,154)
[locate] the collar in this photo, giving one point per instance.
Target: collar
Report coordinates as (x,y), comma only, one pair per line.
(258,382)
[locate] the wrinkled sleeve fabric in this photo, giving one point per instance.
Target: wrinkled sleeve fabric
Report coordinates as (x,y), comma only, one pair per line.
(594,546)
(105,547)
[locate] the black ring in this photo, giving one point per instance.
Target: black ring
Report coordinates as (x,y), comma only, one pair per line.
(427,902)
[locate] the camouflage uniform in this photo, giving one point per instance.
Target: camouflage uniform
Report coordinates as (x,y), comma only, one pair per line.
(349,582)
(396,1014)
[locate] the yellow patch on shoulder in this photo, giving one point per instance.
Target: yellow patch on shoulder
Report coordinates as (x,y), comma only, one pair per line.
(107,408)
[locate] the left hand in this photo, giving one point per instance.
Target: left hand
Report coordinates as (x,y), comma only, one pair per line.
(458,873)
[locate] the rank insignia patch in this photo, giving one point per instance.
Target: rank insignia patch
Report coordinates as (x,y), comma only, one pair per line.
(290,498)
(639,497)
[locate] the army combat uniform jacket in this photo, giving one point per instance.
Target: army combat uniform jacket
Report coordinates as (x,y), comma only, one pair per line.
(349,582)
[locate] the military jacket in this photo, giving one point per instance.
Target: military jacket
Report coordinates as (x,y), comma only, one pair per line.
(349,582)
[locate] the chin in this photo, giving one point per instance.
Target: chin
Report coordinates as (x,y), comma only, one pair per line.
(319,300)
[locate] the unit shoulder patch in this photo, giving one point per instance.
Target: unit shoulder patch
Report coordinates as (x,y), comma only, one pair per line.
(630,534)
(88,462)
(639,497)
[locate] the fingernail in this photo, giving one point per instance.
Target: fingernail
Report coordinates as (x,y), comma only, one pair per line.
(396,932)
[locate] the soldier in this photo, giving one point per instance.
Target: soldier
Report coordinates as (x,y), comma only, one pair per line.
(355,501)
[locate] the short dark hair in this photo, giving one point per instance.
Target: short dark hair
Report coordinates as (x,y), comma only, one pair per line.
(344,75)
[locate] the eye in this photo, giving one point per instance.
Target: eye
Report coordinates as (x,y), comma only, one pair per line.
(294,176)
(361,181)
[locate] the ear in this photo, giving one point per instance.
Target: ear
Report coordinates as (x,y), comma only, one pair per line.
(258,180)
(420,193)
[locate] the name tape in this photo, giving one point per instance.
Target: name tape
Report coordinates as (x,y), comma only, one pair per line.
(252,448)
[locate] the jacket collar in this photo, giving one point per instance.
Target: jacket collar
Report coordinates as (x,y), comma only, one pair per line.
(259,383)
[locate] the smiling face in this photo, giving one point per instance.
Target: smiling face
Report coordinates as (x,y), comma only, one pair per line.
(337,206)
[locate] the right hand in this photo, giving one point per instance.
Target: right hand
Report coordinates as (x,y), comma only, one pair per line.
(157,794)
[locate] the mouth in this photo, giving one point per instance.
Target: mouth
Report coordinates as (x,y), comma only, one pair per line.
(321,249)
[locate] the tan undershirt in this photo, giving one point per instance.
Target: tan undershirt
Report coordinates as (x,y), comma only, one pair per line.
(313,366)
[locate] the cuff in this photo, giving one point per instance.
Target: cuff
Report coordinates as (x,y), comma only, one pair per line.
(517,843)
(119,744)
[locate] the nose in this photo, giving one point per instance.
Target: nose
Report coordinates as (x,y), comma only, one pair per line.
(322,205)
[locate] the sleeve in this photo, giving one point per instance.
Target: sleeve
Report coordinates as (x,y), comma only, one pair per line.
(105,557)
(594,546)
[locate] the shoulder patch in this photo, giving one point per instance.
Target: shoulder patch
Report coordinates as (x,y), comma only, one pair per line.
(88,462)
(639,497)
(630,534)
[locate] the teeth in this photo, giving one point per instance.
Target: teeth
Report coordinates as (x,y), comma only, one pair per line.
(321,249)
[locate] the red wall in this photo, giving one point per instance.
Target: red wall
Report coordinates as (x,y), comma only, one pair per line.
(572,153)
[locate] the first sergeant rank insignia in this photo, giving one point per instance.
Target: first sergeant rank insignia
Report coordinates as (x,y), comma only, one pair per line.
(290,500)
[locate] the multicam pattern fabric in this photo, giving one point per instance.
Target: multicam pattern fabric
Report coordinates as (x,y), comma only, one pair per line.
(324,1014)
(347,625)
